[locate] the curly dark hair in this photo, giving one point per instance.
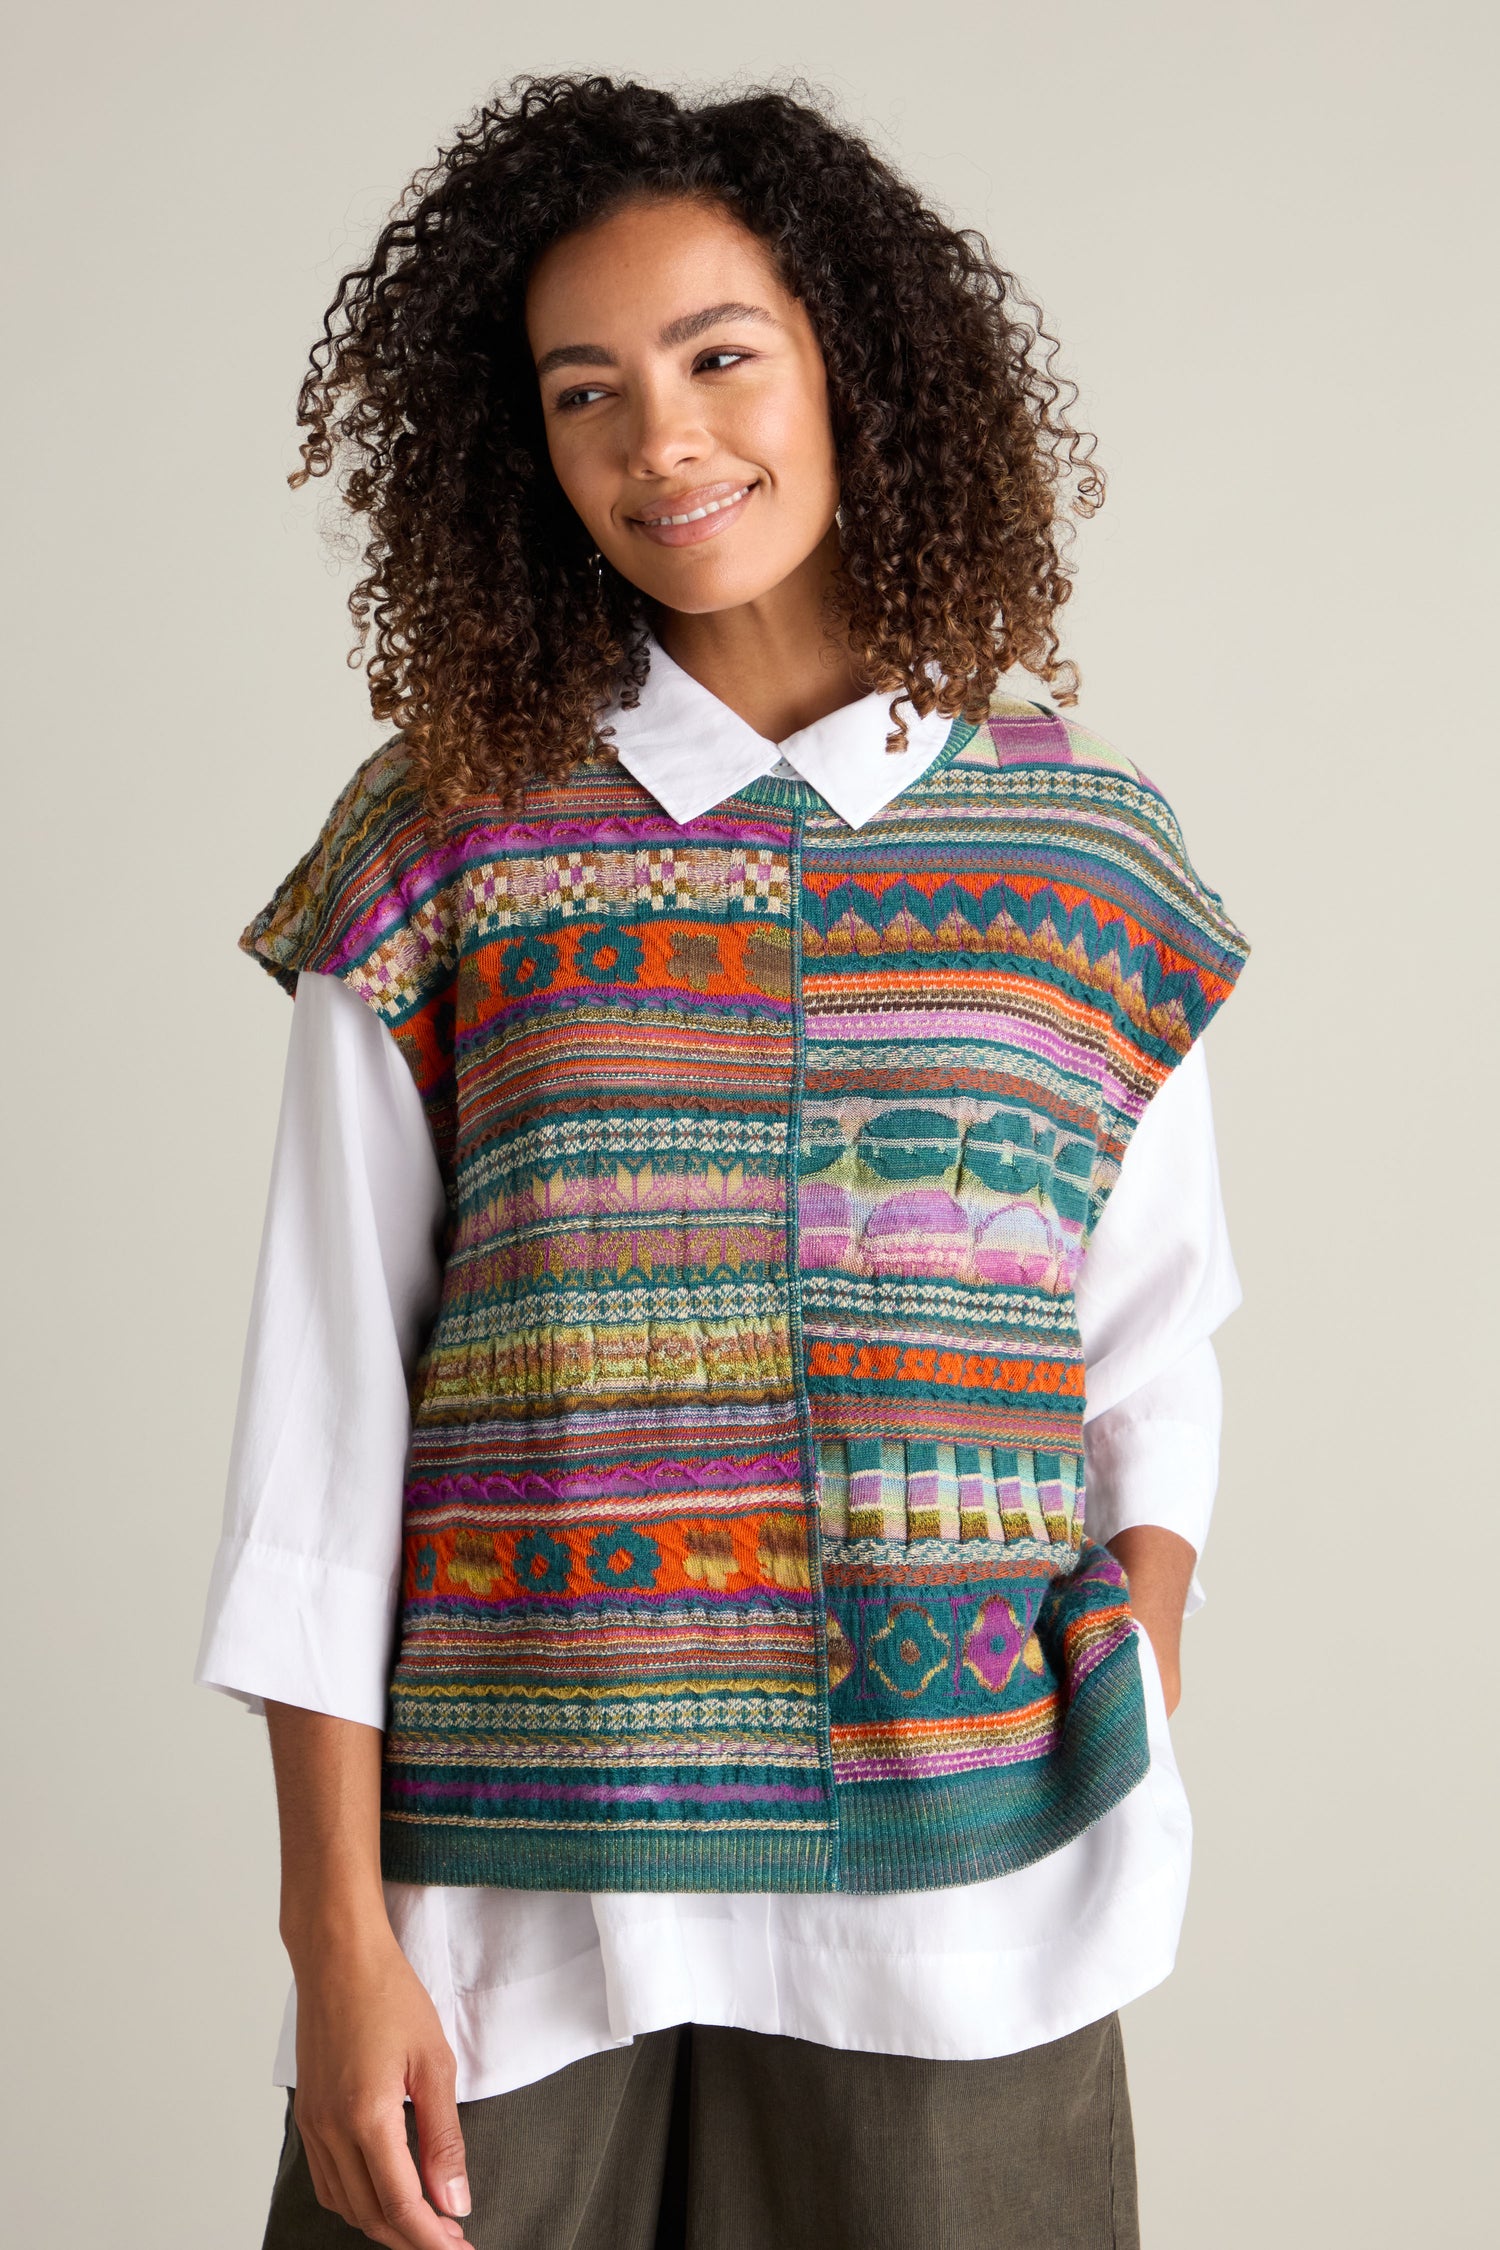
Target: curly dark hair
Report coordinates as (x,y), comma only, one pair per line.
(494,641)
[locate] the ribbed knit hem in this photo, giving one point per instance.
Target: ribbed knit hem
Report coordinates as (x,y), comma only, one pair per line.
(607,1857)
(891,1836)
(924,1835)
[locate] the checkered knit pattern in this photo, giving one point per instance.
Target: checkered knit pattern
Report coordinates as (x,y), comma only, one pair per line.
(744,1510)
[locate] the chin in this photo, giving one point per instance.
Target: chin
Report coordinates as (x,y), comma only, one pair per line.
(699,592)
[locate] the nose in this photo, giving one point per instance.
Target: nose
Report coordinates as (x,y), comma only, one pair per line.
(666,432)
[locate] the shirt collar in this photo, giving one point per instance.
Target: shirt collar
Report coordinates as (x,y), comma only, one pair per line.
(691,751)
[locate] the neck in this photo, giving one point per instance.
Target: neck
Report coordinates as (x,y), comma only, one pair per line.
(770,660)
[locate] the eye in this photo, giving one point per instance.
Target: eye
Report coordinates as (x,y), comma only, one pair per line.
(714,362)
(578,396)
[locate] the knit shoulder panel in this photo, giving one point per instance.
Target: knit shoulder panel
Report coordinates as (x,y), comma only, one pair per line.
(1194,919)
(1194,897)
(1090,749)
(1102,902)
(1168,944)
(371,901)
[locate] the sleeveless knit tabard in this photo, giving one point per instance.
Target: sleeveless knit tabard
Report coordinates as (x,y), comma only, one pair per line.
(744,1514)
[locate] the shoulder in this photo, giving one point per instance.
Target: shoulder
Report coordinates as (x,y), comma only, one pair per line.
(371,867)
(1043,751)
(375,815)
(1022,730)
(1093,817)
(1088,748)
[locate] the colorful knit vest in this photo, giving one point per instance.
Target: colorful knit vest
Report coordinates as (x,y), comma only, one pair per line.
(744,1511)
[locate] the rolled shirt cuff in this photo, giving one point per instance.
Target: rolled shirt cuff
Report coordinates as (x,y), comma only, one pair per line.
(1151,1472)
(290,1628)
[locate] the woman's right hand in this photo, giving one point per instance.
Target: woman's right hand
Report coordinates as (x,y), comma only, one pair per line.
(367,2036)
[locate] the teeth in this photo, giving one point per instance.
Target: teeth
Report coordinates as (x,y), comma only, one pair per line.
(712,509)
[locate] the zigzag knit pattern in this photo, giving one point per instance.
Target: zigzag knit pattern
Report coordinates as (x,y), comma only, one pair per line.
(744,1507)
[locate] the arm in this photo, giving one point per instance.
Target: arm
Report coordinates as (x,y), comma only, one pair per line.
(367,2032)
(1157,1281)
(300,1611)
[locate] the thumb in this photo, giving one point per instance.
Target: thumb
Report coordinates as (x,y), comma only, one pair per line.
(440,2140)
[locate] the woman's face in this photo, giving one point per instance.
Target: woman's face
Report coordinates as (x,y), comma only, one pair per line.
(678,379)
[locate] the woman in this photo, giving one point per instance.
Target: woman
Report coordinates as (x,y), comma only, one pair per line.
(745,1153)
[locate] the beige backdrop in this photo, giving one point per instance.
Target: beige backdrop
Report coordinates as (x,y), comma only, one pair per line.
(1258,230)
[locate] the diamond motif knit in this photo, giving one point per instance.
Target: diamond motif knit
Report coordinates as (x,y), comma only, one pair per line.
(744,1509)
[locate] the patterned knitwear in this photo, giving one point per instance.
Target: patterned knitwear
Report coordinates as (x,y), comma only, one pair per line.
(744,1512)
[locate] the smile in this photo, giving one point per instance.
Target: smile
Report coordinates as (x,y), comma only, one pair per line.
(714,512)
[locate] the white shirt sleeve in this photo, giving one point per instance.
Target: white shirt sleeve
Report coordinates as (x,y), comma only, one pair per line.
(302,1597)
(1157,1279)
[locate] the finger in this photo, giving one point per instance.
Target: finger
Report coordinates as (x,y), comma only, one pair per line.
(323,2172)
(324,2181)
(440,2138)
(404,2210)
(358,2190)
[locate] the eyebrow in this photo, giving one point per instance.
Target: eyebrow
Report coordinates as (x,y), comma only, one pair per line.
(676,332)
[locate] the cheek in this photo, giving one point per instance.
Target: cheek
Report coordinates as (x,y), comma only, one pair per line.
(789,431)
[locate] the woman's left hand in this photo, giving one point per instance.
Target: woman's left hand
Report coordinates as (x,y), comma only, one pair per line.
(1158,1566)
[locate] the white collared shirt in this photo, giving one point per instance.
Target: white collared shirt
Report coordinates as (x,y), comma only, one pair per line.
(691,751)
(302,1602)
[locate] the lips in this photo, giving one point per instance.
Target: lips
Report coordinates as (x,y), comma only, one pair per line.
(689,517)
(706,501)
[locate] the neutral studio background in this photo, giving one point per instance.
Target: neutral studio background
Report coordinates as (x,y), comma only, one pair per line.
(1257,229)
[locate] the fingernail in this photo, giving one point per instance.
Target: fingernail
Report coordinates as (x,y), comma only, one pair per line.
(457,2193)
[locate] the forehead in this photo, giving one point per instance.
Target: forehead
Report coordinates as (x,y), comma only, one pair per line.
(644,266)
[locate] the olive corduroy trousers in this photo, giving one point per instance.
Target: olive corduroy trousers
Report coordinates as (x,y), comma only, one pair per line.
(699,2138)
